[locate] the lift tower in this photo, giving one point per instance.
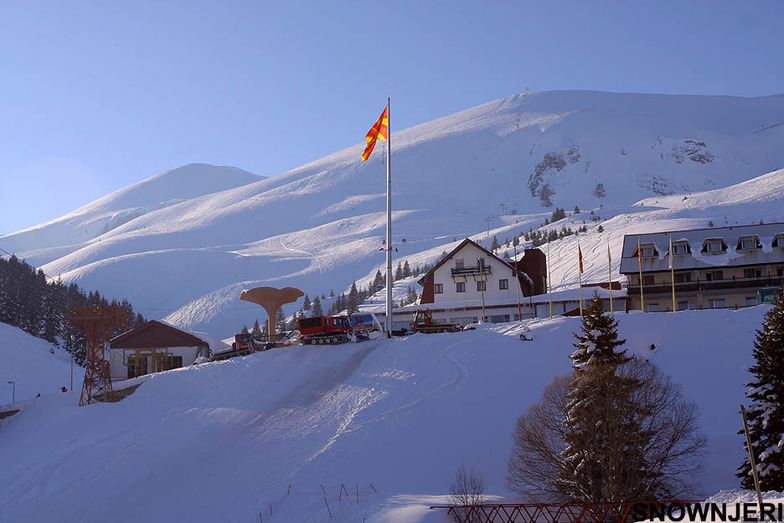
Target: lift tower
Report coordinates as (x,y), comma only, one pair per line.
(97,323)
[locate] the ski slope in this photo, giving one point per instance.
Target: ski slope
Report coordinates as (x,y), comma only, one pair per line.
(35,365)
(225,441)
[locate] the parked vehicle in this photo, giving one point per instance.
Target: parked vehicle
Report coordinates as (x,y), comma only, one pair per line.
(365,326)
(424,322)
(324,330)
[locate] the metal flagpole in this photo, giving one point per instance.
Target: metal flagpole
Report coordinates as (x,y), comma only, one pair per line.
(609,272)
(672,275)
(389,223)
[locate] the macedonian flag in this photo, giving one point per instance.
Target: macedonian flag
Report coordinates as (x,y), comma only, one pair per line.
(377,132)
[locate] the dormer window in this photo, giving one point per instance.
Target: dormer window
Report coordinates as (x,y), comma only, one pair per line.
(778,241)
(748,243)
(714,246)
(680,248)
(648,250)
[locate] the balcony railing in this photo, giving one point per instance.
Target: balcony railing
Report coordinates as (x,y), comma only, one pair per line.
(471,271)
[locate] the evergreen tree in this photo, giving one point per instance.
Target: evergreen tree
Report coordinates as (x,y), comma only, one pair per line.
(256,332)
(280,321)
(765,415)
(576,210)
(306,303)
(378,282)
(398,272)
(244,329)
(406,270)
(353,299)
(316,309)
(494,246)
(604,458)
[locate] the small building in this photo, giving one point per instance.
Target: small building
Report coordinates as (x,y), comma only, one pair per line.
(721,267)
(157,346)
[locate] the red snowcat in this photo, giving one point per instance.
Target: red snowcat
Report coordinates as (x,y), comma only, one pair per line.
(324,330)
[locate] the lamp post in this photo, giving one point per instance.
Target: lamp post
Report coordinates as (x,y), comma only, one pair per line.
(13,391)
(481,265)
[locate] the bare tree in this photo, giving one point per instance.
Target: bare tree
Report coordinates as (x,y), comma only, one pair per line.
(666,443)
(467,489)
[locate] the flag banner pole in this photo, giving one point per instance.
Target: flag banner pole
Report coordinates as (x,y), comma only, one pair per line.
(549,281)
(672,275)
(580,275)
(389,224)
(639,260)
(517,285)
(609,273)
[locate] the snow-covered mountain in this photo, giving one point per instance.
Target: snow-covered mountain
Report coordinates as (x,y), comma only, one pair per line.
(320,226)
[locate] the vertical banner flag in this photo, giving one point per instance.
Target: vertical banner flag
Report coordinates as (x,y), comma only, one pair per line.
(580,276)
(377,132)
(609,274)
(639,260)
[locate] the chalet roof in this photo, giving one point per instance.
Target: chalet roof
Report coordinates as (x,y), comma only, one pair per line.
(157,334)
(730,255)
(449,256)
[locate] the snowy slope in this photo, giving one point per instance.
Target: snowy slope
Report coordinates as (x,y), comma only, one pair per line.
(320,226)
(105,214)
(224,441)
(34,364)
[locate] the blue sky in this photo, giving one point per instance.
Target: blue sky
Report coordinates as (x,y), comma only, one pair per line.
(97,95)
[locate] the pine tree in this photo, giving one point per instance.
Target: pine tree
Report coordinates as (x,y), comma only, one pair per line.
(398,272)
(306,303)
(406,270)
(353,301)
(378,282)
(494,246)
(280,321)
(604,460)
(256,332)
(765,415)
(244,329)
(316,310)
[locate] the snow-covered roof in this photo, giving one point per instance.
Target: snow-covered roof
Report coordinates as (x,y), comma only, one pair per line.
(770,248)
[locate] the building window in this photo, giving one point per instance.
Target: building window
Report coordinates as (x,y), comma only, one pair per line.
(685,305)
(648,279)
(439,288)
(714,246)
(480,262)
(680,248)
(748,243)
(752,273)
(460,286)
(503,284)
(716,304)
(648,250)
(751,302)
(778,241)
(682,277)
(714,275)
(652,307)
(481,285)
(459,263)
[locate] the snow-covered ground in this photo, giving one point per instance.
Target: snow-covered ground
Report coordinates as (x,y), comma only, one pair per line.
(36,366)
(224,441)
(183,244)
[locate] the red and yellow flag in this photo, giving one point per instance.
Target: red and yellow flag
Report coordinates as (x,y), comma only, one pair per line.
(580,255)
(377,132)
